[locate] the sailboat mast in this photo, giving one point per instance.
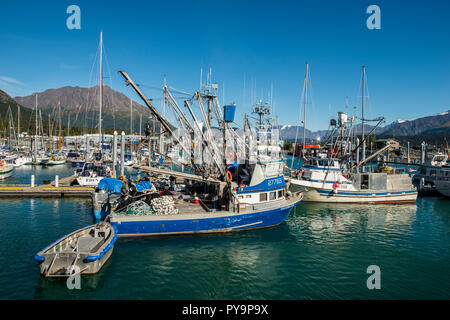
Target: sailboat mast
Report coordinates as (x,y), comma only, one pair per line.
(304,108)
(35,136)
(163,111)
(68,126)
(131,116)
(363,156)
(36,109)
(49,136)
(18,125)
(101,87)
(59,116)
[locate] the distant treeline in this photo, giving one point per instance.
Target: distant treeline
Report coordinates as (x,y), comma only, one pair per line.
(30,128)
(414,141)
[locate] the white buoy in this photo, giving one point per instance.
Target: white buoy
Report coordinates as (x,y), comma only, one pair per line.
(122,154)
(32,180)
(114,154)
(57,181)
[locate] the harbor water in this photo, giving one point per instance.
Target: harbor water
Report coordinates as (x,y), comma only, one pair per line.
(322,251)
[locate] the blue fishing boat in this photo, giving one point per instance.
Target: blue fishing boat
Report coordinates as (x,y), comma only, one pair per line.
(239,185)
(258,205)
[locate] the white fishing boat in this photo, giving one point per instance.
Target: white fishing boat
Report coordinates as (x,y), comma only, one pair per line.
(442,183)
(427,174)
(84,251)
(324,180)
(341,177)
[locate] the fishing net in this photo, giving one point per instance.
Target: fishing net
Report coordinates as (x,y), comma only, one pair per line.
(164,205)
(159,205)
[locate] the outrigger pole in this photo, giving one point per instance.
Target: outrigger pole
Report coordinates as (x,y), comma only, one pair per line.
(155,112)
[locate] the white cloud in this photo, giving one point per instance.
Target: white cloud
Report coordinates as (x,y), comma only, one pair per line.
(11,86)
(66,66)
(10,80)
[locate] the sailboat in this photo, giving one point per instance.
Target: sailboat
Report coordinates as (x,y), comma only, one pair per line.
(39,156)
(58,158)
(93,172)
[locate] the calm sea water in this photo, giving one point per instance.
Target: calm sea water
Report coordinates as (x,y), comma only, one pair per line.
(321,252)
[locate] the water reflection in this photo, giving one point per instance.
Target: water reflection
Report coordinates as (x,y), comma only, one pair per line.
(321,218)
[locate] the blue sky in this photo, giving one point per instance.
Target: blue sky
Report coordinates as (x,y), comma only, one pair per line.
(407,61)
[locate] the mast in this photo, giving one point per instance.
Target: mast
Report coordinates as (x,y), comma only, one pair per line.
(363,156)
(68,126)
(35,136)
(304,109)
(163,111)
(59,116)
(131,125)
(140,125)
(131,116)
(18,125)
(101,87)
(49,136)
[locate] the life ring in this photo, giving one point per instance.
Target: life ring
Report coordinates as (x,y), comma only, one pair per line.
(229,176)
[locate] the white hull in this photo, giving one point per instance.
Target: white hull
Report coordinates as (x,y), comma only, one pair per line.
(89,181)
(339,195)
(6,171)
(22,161)
(55,162)
(129,163)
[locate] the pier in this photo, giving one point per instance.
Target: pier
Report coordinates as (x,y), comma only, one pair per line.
(64,189)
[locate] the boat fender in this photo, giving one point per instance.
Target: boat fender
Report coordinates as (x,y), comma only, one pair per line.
(39,259)
(229,176)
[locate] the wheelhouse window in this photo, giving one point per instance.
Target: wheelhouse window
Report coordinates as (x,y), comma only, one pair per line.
(263,197)
(280,193)
(273,195)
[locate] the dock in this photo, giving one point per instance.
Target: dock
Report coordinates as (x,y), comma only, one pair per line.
(46,190)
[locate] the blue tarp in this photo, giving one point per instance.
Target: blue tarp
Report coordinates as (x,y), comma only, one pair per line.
(110,185)
(232,167)
(143,185)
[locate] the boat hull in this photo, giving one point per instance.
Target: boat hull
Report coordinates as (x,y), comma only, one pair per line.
(55,162)
(443,187)
(215,222)
(89,181)
(67,258)
(330,196)
(6,173)
(77,163)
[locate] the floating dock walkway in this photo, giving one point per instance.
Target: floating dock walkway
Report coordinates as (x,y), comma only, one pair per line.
(47,190)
